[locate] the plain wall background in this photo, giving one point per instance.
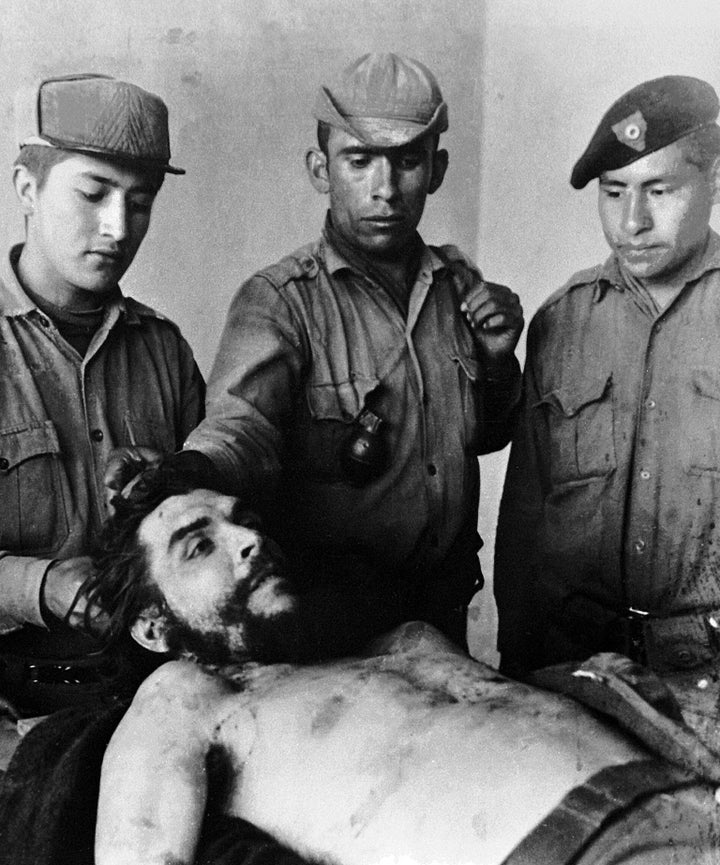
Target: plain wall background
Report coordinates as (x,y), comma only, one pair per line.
(526,82)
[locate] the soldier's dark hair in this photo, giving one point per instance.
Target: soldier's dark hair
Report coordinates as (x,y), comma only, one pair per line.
(39,160)
(702,147)
(323,137)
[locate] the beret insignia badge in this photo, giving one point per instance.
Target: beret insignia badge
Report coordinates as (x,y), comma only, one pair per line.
(631,131)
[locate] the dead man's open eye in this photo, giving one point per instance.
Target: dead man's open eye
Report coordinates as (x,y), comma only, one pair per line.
(199,546)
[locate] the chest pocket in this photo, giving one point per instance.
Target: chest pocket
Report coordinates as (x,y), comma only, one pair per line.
(702,437)
(325,425)
(33,489)
(579,419)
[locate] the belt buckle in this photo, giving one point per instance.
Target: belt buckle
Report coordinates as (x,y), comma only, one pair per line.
(636,634)
(55,674)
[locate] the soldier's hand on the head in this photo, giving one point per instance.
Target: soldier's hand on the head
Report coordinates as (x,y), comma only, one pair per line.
(63,595)
(124,468)
(496,318)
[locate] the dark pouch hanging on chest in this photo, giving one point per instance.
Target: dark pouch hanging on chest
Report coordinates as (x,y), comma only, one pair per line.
(363,454)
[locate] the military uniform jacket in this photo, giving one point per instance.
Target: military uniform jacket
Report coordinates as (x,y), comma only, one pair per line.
(61,415)
(307,345)
(611,497)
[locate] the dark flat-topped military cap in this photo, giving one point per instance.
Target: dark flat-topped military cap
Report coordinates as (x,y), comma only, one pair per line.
(647,118)
(99,115)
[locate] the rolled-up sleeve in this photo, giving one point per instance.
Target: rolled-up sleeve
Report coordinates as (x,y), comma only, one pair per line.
(251,390)
(21,579)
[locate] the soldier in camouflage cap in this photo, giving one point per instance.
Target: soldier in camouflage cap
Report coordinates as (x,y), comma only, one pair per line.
(358,379)
(85,369)
(384,100)
(99,115)
(608,522)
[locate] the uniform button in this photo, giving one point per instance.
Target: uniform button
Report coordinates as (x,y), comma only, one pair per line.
(682,656)
(44,322)
(651,403)
(645,474)
(4,464)
(432,470)
(640,545)
(97,435)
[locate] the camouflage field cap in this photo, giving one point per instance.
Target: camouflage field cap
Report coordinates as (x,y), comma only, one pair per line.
(647,118)
(100,115)
(384,100)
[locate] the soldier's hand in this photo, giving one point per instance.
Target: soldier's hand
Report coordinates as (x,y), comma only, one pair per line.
(496,318)
(124,467)
(64,597)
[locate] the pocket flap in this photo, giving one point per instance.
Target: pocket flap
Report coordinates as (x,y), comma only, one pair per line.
(571,398)
(23,443)
(341,401)
(706,382)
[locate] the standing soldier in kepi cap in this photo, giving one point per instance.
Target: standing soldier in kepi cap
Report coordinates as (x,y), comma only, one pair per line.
(609,537)
(84,369)
(358,379)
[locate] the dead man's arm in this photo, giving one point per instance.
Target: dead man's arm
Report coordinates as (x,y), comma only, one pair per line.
(153,787)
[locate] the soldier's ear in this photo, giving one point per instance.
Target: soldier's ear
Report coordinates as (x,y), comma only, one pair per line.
(439,167)
(316,164)
(25,184)
(149,630)
(715,179)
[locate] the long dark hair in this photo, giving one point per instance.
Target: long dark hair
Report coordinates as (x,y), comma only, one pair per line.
(121,586)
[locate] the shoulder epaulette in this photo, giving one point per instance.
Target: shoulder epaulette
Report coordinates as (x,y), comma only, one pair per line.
(301,264)
(141,310)
(453,257)
(461,267)
(587,277)
(134,306)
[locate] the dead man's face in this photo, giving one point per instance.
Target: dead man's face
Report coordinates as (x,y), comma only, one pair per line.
(223,581)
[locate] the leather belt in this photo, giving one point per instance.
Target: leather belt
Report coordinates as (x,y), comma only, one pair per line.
(669,642)
(18,671)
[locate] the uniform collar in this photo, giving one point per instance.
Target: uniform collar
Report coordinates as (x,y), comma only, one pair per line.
(429,260)
(15,303)
(610,275)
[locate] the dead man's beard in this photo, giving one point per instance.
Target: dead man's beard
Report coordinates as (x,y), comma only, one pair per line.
(267,639)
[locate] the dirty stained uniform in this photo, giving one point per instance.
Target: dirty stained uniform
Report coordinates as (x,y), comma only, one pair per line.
(609,517)
(60,416)
(310,343)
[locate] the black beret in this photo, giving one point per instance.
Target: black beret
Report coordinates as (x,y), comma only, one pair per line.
(647,118)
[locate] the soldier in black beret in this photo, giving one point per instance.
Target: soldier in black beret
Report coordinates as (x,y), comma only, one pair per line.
(608,538)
